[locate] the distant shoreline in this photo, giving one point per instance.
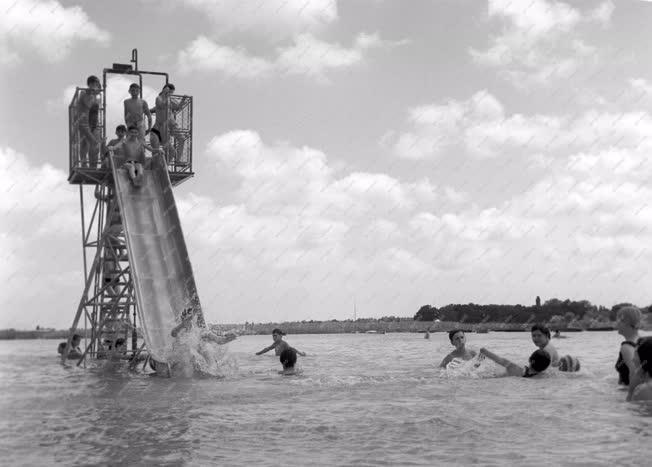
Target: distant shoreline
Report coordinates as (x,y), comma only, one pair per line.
(334,327)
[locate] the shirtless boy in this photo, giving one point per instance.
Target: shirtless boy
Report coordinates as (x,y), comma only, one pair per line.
(279,344)
(88,140)
(458,339)
(135,107)
(134,153)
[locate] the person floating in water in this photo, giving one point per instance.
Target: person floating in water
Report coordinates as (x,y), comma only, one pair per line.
(539,361)
(557,335)
(541,338)
(74,351)
(458,339)
(640,387)
(279,344)
(629,320)
(288,359)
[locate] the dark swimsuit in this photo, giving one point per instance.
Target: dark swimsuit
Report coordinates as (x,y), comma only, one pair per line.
(621,366)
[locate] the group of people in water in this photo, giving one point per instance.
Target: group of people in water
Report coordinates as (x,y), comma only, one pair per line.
(634,364)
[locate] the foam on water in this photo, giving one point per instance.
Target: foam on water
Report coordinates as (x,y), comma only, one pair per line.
(194,356)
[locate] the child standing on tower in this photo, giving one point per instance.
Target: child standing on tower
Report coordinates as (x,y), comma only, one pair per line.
(135,107)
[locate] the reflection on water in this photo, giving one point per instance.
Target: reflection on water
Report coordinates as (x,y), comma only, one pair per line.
(360,400)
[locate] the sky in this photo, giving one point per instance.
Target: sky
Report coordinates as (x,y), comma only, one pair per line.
(386,154)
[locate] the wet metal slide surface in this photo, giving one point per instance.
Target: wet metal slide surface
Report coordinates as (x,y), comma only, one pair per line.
(163,276)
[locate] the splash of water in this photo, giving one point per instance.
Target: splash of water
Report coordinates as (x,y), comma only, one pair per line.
(194,356)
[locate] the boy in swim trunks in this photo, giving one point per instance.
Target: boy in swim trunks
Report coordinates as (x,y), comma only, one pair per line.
(88,141)
(279,344)
(135,107)
(134,153)
(458,339)
(541,338)
(164,109)
(288,359)
(538,362)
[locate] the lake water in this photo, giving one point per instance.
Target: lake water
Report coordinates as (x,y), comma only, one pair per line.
(360,400)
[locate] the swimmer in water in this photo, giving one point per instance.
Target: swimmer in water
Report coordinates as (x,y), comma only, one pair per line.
(458,339)
(640,388)
(288,359)
(279,344)
(541,338)
(539,361)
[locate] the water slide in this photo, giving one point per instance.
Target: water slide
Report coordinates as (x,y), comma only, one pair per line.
(163,279)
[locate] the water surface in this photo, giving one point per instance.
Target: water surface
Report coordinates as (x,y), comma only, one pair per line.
(360,400)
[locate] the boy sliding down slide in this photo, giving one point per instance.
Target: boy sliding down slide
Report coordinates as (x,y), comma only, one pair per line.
(134,153)
(186,324)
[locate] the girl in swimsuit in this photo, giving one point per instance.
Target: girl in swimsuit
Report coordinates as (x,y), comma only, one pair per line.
(629,320)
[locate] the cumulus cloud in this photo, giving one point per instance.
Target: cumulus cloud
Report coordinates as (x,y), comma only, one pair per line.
(46,28)
(539,42)
(271,19)
(39,238)
(307,56)
(481,128)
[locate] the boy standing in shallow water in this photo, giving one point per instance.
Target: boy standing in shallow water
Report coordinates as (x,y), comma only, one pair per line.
(135,107)
(458,339)
(279,344)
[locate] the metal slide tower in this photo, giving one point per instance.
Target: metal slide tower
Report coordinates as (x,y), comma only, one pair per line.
(107,310)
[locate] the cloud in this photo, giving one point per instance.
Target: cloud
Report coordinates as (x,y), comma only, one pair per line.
(480,127)
(271,19)
(39,240)
(307,56)
(47,28)
(203,54)
(539,43)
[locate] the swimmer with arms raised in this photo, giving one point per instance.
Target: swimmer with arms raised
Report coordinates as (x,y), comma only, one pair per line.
(279,344)
(539,362)
(458,339)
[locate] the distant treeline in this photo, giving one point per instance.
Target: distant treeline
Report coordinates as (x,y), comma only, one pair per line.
(557,313)
(8,334)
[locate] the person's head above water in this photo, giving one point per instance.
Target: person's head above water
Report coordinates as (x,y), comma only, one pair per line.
(644,354)
(76,340)
(629,319)
(288,358)
(457,338)
(540,335)
(538,362)
(277,334)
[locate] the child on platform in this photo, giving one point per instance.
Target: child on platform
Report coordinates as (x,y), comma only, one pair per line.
(87,103)
(135,107)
